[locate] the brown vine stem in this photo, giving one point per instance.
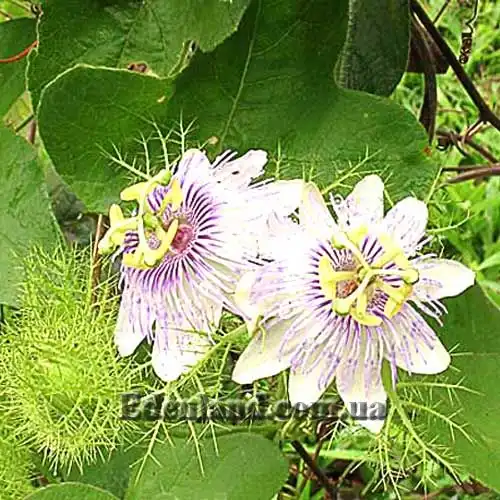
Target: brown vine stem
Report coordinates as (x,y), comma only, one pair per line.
(458,140)
(429,107)
(473,172)
(321,476)
(21,55)
(485,112)
(32,132)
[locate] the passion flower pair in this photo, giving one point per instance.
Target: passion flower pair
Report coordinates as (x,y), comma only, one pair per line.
(327,299)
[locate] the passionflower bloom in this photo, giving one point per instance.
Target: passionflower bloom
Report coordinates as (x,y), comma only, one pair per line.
(193,234)
(346,294)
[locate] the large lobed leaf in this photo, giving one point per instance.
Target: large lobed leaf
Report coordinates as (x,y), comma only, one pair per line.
(116,33)
(243,466)
(269,86)
(71,491)
(85,114)
(15,36)
(376,49)
(25,215)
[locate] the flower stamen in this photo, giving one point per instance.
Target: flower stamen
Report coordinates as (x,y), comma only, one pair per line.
(351,290)
(155,240)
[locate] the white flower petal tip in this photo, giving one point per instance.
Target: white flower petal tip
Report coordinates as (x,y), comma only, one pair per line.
(430,361)
(126,348)
(406,223)
(364,205)
(256,156)
(167,369)
(126,340)
(250,311)
(314,214)
(241,377)
(254,365)
(439,278)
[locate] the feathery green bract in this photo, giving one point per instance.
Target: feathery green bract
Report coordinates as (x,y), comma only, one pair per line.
(61,377)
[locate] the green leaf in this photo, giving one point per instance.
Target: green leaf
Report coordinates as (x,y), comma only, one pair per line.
(271,86)
(491,261)
(112,475)
(471,327)
(245,466)
(116,33)
(15,36)
(25,215)
(375,53)
(85,113)
(71,491)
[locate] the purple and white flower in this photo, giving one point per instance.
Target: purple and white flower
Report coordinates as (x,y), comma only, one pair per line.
(346,294)
(193,235)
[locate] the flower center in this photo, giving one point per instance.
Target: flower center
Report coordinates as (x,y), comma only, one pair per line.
(182,238)
(351,290)
(155,240)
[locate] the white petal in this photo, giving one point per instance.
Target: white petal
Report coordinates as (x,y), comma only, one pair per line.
(262,357)
(133,324)
(249,309)
(176,349)
(365,204)
(279,197)
(279,235)
(418,349)
(304,387)
(440,278)
(193,164)
(359,384)
(240,172)
(406,223)
(314,214)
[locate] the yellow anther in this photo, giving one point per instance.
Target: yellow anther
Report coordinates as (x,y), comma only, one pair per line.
(162,177)
(326,277)
(136,192)
(152,256)
(410,276)
(115,215)
(392,253)
(141,190)
(173,197)
(392,307)
(366,319)
(358,234)
(115,235)
(135,259)
(362,304)
(398,294)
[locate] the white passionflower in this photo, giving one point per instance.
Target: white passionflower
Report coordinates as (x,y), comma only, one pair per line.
(193,235)
(345,295)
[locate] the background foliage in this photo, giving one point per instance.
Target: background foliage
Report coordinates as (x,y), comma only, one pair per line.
(322,86)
